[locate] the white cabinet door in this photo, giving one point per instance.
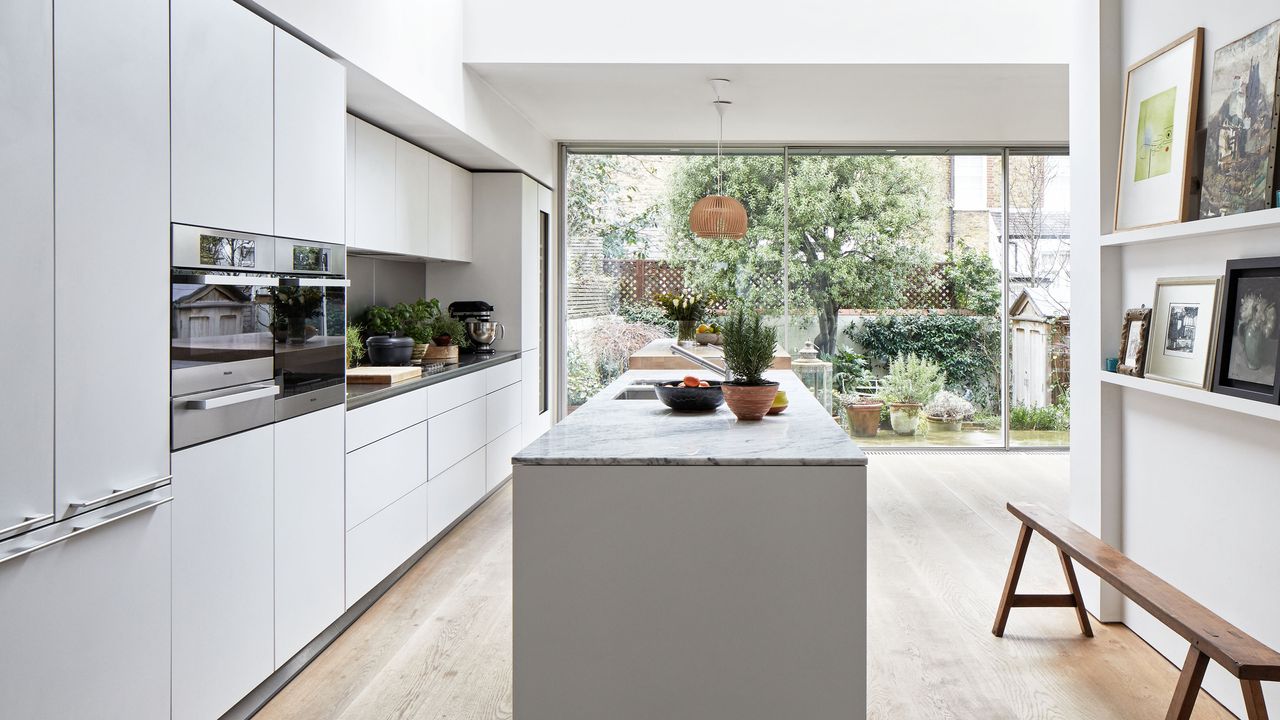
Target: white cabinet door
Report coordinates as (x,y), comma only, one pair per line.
(454,435)
(531,267)
(440,234)
(223,640)
(413,199)
(111,191)
(375,189)
(461,217)
(222,116)
(309,530)
(385,417)
(502,375)
(310,142)
(381,473)
(503,411)
(453,492)
(26,242)
(85,626)
(536,417)
(349,173)
(380,544)
(450,394)
(498,456)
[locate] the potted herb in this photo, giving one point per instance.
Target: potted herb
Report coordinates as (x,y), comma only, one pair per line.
(686,310)
(355,348)
(386,326)
(912,381)
(863,412)
(748,352)
(947,412)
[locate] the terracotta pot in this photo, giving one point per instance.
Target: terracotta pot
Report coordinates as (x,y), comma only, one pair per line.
(864,419)
(904,417)
(749,402)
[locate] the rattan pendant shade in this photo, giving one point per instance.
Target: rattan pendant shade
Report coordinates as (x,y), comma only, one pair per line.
(718,216)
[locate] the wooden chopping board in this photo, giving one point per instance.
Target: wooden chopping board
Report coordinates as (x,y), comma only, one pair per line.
(382,375)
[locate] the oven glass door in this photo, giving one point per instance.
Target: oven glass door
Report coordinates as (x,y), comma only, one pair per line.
(220,330)
(310,344)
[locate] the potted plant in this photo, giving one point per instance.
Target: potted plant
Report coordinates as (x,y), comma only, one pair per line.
(947,412)
(912,381)
(385,326)
(863,412)
(355,348)
(748,351)
(686,310)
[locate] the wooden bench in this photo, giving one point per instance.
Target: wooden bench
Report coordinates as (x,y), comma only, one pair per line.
(1210,636)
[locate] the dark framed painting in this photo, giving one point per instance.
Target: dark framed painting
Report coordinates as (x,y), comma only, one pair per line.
(1248,334)
(1133,341)
(1240,142)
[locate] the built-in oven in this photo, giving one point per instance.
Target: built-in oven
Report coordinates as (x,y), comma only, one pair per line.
(311,326)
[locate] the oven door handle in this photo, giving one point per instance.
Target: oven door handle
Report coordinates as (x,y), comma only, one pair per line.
(240,280)
(213,403)
(315,282)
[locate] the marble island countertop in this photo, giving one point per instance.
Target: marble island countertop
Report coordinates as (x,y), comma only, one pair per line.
(606,431)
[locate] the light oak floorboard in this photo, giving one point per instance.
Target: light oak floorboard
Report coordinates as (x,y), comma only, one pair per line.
(438,645)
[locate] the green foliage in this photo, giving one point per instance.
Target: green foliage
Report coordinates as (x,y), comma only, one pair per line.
(599,192)
(1048,417)
(849,370)
(967,348)
(445,325)
(418,318)
(584,377)
(645,314)
(748,346)
(974,281)
(382,320)
(355,345)
(947,405)
(858,225)
(912,379)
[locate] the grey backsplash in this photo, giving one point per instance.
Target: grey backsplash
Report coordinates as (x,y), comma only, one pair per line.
(379,281)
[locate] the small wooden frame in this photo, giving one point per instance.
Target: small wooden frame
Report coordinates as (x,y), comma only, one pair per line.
(1133,350)
(1210,636)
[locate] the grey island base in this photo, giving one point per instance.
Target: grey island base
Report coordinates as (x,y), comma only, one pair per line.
(670,566)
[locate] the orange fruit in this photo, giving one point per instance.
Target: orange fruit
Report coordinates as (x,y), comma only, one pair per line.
(691,381)
(704,383)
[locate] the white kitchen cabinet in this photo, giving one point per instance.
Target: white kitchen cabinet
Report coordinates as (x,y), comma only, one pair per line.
(454,491)
(223,639)
(380,544)
(380,419)
(502,375)
(85,626)
(310,142)
(460,221)
(380,473)
(498,456)
(222,116)
(309,530)
(450,394)
(26,242)
(349,175)
(413,199)
(440,194)
(111,200)
(503,411)
(454,435)
(375,190)
(536,413)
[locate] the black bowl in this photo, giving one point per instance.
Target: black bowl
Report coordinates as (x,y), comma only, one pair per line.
(679,398)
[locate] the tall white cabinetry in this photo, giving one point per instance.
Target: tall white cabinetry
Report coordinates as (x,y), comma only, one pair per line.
(374,188)
(412,199)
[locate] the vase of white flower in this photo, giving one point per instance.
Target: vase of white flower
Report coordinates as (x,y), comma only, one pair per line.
(685,331)
(1257,326)
(685,310)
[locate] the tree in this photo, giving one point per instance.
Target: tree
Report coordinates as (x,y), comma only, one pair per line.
(1038,233)
(601,202)
(858,232)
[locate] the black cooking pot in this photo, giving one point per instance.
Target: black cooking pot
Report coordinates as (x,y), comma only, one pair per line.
(386,350)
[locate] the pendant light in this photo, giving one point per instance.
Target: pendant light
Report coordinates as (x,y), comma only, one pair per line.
(719,216)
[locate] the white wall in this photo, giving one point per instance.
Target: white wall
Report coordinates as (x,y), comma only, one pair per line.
(767,31)
(1190,492)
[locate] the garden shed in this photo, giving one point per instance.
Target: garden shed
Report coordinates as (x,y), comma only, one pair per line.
(1039,321)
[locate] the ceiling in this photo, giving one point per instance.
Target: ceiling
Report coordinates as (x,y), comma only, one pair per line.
(861,104)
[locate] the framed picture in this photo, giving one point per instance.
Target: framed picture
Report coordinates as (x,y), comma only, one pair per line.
(1240,144)
(1157,134)
(1184,323)
(1133,341)
(1248,335)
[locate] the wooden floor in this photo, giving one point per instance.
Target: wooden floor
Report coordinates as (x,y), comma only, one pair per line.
(438,645)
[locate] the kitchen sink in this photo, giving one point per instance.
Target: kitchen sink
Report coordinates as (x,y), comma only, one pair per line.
(640,390)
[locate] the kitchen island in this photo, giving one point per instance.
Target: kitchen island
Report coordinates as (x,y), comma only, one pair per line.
(689,566)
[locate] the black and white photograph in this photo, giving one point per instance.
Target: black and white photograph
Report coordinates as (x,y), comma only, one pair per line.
(1182,330)
(1249,334)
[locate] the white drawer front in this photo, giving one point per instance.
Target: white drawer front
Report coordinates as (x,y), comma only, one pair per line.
(454,435)
(445,396)
(381,472)
(382,542)
(498,457)
(500,376)
(376,421)
(502,411)
(454,491)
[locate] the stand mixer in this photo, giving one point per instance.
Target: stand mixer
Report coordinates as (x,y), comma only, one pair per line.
(477,316)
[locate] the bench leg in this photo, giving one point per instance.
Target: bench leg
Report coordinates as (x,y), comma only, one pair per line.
(1011,582)
(1082,615)
(1184,696)
(1254,704)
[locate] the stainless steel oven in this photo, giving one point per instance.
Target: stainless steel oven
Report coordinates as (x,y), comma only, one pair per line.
(311,324)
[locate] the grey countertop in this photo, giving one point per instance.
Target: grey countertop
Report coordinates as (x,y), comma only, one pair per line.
(361,394)
(645,432)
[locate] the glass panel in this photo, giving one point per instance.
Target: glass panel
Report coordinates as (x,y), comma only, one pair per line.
(1039,300)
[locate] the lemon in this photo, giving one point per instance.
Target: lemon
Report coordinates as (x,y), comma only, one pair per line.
(780,399)
(704,328)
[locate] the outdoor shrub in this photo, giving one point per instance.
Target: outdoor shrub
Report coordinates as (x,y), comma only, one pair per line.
(967,348)
(1048,417)
(584,377)
(912,379)
(974,280)
(647,314)
(849,370)
(948,406)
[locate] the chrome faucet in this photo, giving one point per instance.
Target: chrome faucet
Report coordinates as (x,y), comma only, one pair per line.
(699,360)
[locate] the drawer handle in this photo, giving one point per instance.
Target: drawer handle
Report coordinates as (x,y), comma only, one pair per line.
(115,495)
(213,403)
(314,282)
(28,523)
(77,531)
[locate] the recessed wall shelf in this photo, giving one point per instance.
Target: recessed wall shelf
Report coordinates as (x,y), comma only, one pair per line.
(1257,220)
(1194,395)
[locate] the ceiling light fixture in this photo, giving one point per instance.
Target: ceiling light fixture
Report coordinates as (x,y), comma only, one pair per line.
(719,216)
